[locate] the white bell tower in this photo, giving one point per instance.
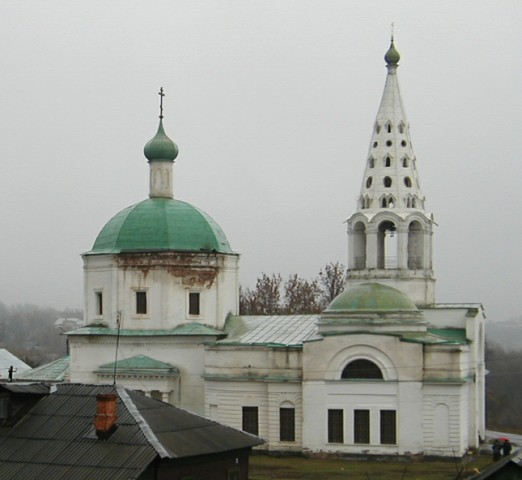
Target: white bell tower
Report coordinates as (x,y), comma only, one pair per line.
(390,235)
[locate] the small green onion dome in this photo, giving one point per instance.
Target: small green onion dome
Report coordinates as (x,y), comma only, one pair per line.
(160,224)
(371,297)
(392,56)
(161,148)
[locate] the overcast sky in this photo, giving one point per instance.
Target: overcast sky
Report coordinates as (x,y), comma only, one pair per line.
(271,104)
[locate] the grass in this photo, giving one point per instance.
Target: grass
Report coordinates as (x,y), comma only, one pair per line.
(265,467)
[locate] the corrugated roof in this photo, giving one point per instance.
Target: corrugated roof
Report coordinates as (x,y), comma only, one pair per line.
(56,439)
(283,330)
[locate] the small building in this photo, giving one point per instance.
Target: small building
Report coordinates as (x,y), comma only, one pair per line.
(85,432)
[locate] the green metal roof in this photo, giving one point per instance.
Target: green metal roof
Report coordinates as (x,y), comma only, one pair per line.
(193,328)
(161,224)
(371,297)
(161,148)
(392,56)
(139,364)
(50,372)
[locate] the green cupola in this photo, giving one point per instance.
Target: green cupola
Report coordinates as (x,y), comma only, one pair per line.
(160,223)
(392,56)
(161,148)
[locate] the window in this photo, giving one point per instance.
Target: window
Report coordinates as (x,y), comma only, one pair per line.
(193,303)
(407,182)
(233,474)
(287,424)
(387,162)
(361,426)
(99,303)
(335,426)
(388,427)
(405,161)
(371,162)
(387,182)
(362,369)
(141,302)
(250,420)
(368,182)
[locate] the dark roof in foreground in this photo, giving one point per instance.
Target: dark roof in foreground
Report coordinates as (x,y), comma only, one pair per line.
(57,440)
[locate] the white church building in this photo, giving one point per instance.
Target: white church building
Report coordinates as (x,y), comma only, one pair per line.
(383,370)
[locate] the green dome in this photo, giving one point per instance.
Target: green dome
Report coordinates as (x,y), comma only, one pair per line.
(371,297)
(161,224)
(392,56)
(161,148)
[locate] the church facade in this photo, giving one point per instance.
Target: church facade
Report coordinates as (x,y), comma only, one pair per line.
(383,370)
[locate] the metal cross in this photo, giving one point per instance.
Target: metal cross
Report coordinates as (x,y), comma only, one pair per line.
(161,94)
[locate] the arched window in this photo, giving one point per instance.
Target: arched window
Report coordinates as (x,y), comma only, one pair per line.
(368,182)
(371,162)
(387,182)
(377,128)
(405,162)
(401,127)
(388,127)
(407,182)
(387,162)
(362,369)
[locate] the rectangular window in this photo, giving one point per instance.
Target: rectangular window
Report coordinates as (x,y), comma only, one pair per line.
(287,424)
(361,426)
(194,303)
(389,427)
(335,426)
(250,420)
(141,302)
(233,474)
(99,303)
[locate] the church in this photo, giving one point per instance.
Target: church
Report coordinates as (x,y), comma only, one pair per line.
(383,370)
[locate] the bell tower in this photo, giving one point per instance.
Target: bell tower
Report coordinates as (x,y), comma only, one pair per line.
(390,235)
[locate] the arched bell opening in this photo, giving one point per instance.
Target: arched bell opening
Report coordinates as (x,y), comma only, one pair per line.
(387,245)
(415,245)
(359,246)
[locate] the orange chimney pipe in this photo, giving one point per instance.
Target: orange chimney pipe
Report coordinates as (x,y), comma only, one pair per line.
(106,414)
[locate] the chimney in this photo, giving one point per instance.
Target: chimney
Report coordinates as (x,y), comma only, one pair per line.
(106,414)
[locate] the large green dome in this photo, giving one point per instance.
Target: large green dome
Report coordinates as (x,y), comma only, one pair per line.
(371,297)
(160,224)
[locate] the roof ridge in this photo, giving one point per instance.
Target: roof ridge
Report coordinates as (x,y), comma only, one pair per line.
(142,424)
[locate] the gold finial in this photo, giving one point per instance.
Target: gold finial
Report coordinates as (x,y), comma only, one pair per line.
(161,94)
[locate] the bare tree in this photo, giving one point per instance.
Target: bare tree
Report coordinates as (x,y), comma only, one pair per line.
(301,296)
(331,279)
(264,299)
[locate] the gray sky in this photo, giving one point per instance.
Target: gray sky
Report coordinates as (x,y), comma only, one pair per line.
(271,104)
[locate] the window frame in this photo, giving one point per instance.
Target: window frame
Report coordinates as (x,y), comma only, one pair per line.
(250,419)
(361,426)
(98,302)
(286,424)
(335,425)
(388,427)
(143,294)
(191,294)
